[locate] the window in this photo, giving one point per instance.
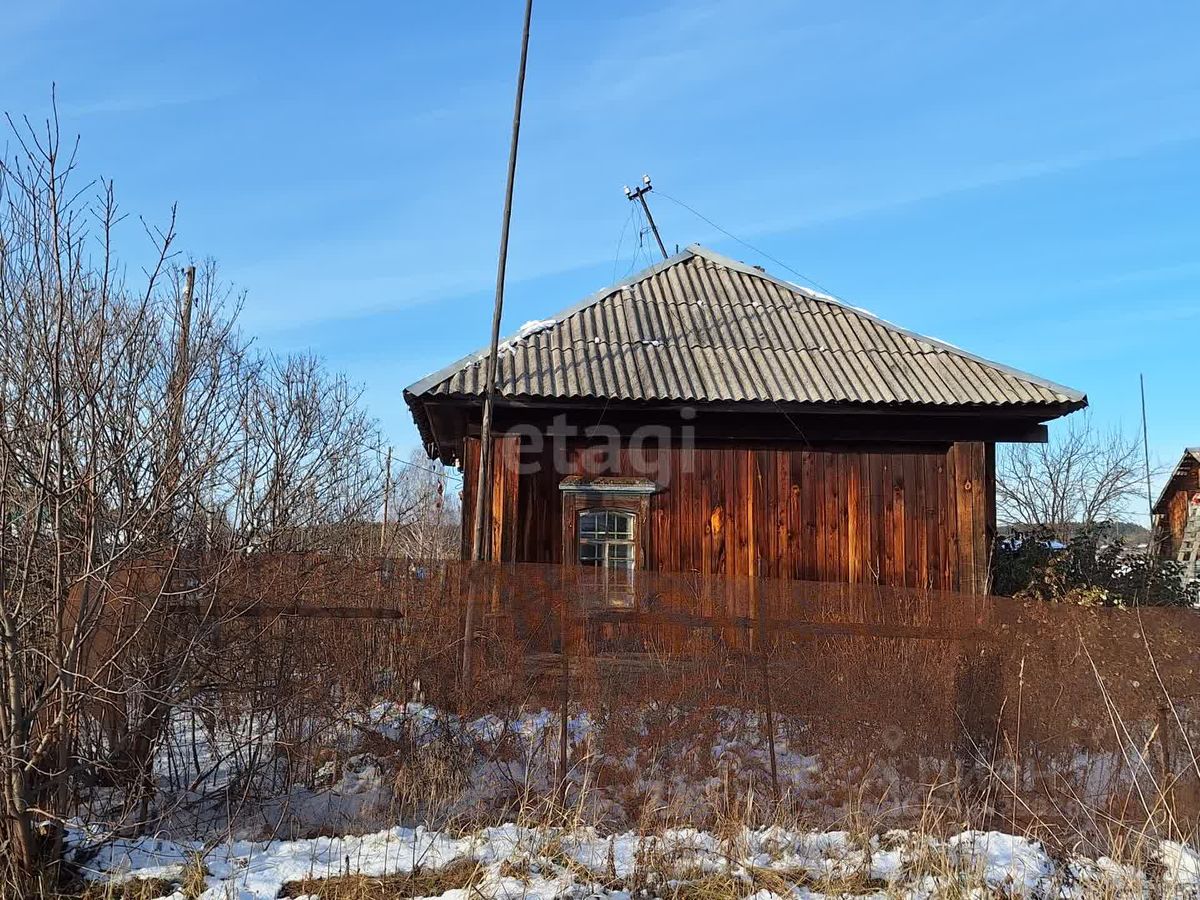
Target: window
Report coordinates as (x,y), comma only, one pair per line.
(605,531)
(606,539)
(606,544)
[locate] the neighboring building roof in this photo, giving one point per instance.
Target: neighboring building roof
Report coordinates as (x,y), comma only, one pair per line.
(1189,463)
(703,328)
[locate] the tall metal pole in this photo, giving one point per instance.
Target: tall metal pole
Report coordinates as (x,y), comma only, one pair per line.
(479,546)
(1146,456)
(387,496)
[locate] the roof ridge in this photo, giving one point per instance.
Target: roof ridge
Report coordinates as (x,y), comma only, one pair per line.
(1194,453)
(756,272)
(663,341)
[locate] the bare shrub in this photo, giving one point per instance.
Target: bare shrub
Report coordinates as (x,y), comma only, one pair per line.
(423,515)
(1083,476)
(143,447)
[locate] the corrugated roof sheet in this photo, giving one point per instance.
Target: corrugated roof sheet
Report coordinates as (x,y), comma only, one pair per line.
(702,328)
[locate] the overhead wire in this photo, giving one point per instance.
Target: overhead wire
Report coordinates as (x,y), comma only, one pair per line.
(620,243)
(441,473)
(746,244)
(792,422)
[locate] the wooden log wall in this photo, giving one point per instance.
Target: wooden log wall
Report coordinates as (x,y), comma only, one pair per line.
(919,516)
(1176,521)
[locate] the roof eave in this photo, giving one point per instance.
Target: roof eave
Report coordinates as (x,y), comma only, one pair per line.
(420,415)
(1042,411)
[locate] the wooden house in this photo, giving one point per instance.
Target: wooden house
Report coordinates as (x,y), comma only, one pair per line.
(704,416)
(1176,526)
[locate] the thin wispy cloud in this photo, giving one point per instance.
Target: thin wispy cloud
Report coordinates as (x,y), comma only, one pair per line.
(142,100)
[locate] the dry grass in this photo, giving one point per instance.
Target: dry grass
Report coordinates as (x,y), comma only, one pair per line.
(457,875)
(195,872)
(133,889)
(983,747)
(518,869)
(717,886)
(783,882)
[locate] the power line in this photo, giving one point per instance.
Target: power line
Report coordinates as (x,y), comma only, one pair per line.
(746,244)
(670,312)
(778,408)
(442,473)
(620,243)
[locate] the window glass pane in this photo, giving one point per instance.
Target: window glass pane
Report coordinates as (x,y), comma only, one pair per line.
(606,543)
(591,525)
(622,526)
(591,554)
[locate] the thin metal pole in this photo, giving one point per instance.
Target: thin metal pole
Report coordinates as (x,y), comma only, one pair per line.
(479,547)
(1146,457)
(387,496)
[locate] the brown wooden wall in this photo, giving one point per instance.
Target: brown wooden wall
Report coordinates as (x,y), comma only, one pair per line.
(911,515)
(1176,520)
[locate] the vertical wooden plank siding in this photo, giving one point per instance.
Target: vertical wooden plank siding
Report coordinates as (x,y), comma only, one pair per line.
(921,517)
(971,487)
(470,468)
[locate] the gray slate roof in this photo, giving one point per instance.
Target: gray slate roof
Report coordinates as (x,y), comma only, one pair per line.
(700,327)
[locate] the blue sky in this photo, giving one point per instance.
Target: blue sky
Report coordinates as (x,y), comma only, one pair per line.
(1017,179)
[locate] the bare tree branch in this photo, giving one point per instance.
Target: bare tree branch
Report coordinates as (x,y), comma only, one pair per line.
(1083,476)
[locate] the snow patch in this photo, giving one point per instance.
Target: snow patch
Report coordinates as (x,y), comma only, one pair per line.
(1014,864)
(1181,866)
(581,862)
(526,331)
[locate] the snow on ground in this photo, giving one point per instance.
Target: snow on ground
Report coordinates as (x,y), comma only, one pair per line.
(356,793)
(548,863)
(1181,865)
(369,765)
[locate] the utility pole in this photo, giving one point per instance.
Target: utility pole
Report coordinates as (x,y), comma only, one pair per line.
(387,496)
(176,391)
(480,546)
(639,194)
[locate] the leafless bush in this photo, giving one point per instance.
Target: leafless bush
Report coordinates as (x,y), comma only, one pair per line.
(827,702)
(143,446)
(306,457)
(423,519)
(1083,476)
